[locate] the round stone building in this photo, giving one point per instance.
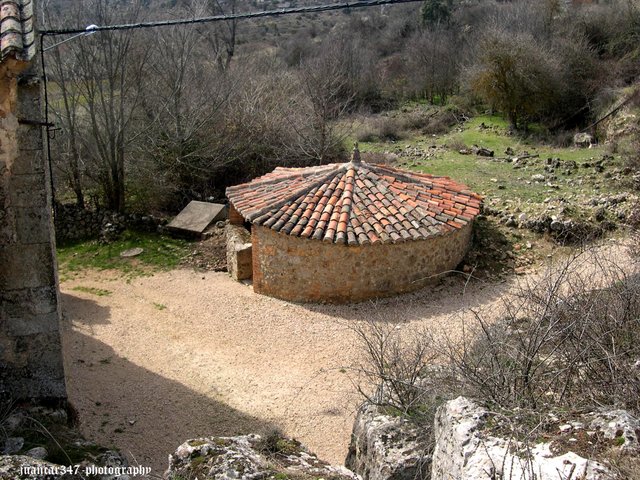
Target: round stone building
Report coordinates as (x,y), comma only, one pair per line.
(347,232)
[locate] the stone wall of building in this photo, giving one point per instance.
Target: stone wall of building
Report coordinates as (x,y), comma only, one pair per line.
(234,216)
(239,258)
(306,270)
(30,349)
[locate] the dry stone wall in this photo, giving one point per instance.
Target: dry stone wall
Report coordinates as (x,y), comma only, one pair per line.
(74,224)
(305,270)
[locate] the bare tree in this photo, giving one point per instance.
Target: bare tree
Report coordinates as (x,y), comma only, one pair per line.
(221,37)
(323,99)
(105,73)
(183,107)
(434,64)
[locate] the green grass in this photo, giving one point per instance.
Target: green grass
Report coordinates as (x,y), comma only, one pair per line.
(100,292)
(159,306)
(498,179)
(160,253)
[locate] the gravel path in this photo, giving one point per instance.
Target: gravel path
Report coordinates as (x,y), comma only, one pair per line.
(183,354)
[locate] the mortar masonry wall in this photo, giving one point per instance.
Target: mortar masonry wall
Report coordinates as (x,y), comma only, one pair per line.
(30,348)
(305,270)
(239,248)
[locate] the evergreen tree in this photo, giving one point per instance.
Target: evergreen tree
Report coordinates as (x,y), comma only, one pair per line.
(436,12)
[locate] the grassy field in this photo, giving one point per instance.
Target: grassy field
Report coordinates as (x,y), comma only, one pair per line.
(496,178)
(564,192)
(159,253)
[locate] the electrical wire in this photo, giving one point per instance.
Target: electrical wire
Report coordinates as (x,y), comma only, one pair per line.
(167,23)
(220,18)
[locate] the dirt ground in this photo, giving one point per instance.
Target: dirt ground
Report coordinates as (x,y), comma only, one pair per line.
(154,361)
(183,354)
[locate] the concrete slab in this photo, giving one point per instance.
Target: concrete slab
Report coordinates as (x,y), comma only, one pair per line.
(197,216)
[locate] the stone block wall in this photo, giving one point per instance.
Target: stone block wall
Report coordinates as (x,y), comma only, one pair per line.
(304,270)
(74,224)
(239,252)
(30,347)
(234,216)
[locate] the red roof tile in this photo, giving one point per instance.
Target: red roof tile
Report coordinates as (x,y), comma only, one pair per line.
(355,203)
(17,36)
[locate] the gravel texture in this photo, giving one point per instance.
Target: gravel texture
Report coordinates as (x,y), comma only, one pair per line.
(184,354)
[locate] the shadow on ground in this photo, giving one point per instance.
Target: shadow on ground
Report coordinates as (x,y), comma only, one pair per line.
(452,294)
(109,417)
(93,313)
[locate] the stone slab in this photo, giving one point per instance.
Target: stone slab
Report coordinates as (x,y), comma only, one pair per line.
(197,216)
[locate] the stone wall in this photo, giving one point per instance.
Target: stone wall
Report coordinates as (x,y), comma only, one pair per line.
(304,270)
(30,350)
(75,224)
(234,216)
(239,259)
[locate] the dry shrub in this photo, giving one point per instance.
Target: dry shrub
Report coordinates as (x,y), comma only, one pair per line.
(396,363)
(379,158)
(456,144)
(381,129)
(569,339)
(629,149)
(442,122)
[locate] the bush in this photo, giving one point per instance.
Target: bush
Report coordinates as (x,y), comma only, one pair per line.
(568,340)
(381,129)
(516,74)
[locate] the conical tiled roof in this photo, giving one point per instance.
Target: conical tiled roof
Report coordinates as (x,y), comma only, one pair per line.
(355,203)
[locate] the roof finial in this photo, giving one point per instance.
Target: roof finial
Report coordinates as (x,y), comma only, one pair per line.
(355,157)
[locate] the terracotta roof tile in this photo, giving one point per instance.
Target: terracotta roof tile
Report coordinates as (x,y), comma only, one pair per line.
(355,203)
(17,34)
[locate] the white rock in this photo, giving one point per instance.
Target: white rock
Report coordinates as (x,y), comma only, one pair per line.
(386,447)
(618,423)
(464,451)
(38,452)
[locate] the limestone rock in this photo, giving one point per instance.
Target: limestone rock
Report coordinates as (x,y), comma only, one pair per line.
(38,452)
(245,457)
(582,140)
(618,424)
(21,467)
(538,178)
(464,451)
(386,447)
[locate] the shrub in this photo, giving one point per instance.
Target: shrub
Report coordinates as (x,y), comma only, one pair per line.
(381,128)
(569,339)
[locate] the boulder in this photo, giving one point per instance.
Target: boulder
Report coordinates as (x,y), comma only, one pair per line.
(249,457)
(388,447)
(582,140)
(22,467)
(618,424)
(465,450)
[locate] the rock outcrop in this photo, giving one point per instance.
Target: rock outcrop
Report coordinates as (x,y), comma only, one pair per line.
(465,450)
(28,450)
(387,447)
(110,466)
(249,457)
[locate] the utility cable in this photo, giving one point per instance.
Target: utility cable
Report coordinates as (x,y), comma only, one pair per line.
(220,18)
